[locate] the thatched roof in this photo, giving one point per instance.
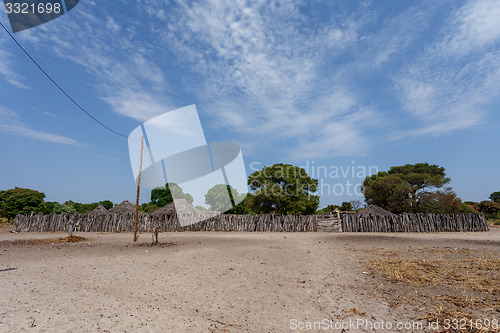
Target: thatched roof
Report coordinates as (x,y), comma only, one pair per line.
(123,208)
(165,210)
(100,210)
(183,207)
(374,211)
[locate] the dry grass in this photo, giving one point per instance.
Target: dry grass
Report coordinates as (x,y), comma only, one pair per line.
(441,283)
(455,268)
(70,239)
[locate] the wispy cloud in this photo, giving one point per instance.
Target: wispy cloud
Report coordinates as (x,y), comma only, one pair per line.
(7,71)
(264,69)
(12,124)
(276,74)
(116,55)
(451,84)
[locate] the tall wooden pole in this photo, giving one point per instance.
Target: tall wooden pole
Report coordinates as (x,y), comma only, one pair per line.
(173,201)
(138,192)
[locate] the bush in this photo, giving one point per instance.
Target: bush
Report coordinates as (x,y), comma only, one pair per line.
(21,201)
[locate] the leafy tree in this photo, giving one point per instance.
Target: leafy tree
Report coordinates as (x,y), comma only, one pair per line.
(223,197)
(64,209)
(79,208)
(161,196)
(441,202)
(346,206)
(490,208)
(402,187)
(495,196)
(148,208)
(21,201)
(71,207)
(284,189)
(387,191)
(468,208)
(243,208)
(329,208)
(106,203)
(49,207)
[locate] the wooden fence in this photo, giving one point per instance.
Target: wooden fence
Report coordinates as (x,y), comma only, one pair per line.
(414,223)
(126,222)
(258,223)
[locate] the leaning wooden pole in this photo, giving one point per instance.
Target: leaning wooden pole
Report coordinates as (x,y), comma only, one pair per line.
(138,192)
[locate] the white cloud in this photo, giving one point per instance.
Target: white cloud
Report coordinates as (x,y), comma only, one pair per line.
(10,123)
(120,61)
(136,105)
(475,26)
(111,25)
(7,65)
(451,85)
(22,130)
(272,72)
(264,65)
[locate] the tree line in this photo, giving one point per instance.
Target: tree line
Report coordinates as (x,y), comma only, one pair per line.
(287,189)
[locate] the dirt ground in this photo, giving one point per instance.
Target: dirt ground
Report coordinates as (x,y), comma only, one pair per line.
(241,282)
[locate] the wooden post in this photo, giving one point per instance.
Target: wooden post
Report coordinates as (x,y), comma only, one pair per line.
(138,192)
(173,203)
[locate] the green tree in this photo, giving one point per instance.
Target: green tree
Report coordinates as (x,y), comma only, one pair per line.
(21,201)
(402,187)
(329,208)
(148,208)
(161,196)
(284,189)
(222,198)
(243,208)
(71,207)
(441,202)
(489,208)
(49,207)
(387,191)
(64,208)
(495,196)
(346,206)
(106,203)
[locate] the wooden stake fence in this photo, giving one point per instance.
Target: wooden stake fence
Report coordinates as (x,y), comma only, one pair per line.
(414,223)
(252,223)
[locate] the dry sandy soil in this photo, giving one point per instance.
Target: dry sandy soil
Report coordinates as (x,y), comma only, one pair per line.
(212,281)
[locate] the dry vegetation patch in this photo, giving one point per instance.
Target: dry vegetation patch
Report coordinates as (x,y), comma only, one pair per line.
(440,283)
(69,239)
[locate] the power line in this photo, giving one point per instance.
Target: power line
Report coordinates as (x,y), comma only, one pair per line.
(59,87)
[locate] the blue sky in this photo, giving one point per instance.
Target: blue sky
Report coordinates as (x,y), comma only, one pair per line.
(332,85)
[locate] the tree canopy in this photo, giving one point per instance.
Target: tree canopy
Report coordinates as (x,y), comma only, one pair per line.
(495,196)
(21,201)
(284,189)
(161,196)
(71,207)
(346,206)
(223,197)
(409,188)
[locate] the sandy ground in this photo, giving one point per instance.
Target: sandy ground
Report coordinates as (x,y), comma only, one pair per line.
(202,281)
